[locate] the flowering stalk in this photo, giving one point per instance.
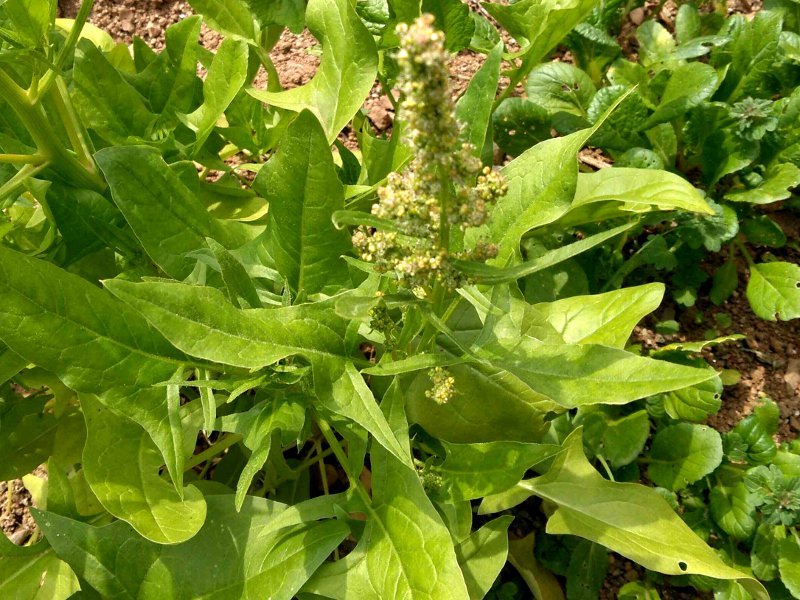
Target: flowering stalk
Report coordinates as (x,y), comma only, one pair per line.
(444,186)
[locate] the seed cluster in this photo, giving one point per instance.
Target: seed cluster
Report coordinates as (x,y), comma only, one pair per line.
(445,185)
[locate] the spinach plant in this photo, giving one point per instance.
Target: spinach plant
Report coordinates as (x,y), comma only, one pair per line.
(184,345)
(715,102)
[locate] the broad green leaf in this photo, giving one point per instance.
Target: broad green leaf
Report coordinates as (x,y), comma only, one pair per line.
(639,190)
(689,85)
(517,411)
(587,570)
(226,75)
(265,546)
(541,185)
(199,321)
(101,347)
(694,403)
(286,13)
(682,454)
(630,519)
(789,565)
(541,582)
(539,24)
(257,426)
(183,222)
(347,71)
(239,286)
(122,465)
(656,44)
(482,555)
(34,573)
(774,290)
(474,108)
(472,471)
(731,508)
(107,103)
(405,550)
(753,51)
(27,434)
(30,18)
(234,18)
(560,87)
(778,182)
(11,363)
(577,375)
(607,319)
(766,551)
(620,440)
(518,124)
(453,17)
(303,191)
(763,231)
(725,282)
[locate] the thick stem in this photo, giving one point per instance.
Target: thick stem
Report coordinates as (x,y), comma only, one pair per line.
(215,450)
(21,159)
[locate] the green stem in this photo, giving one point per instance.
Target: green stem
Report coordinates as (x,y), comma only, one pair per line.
(215,450)
(312,460)
(606,467)
(744,252)
(13,185)
(72,125)
(47,141)
(21,159)
(69,46)
(273,80)
(330,437)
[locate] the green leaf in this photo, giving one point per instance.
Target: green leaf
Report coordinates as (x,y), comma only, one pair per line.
(682,454)
(183,221)
(474,108)
(587,571)
(766,551)
(27,434)
(475,470)
(347,71)
(607,319)
(688,85)
(122,465)
(541,582)
(405,550)
(265,546)
(763,231)
(234,18)
(453,18)
(200,321)
(630,519)
(732,510)
(257,426)
(725,282)
(789,565)
(102,345)
(303,191)
(578,375)
(238,285)
(34,573)
(638,190)
(619,440)
(482,556)
(226,76)
(694,403)
(774,290)
(518,124)
(286,13)
(541,185)
(655,43)
(540,24)
(107,103)
(30,20)
(560,87)
(777,184)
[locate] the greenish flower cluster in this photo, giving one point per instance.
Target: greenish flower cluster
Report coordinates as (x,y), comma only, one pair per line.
(445,185)
(444,385)
(754,118)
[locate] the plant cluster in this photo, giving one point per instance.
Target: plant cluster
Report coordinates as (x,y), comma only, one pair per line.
(257,362)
